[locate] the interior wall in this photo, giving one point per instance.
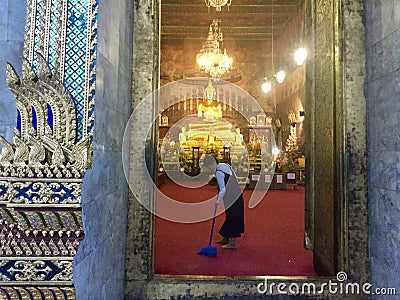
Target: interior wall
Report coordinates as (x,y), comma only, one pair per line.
(100,262)
(382,91)
(290,98)
(11,45)
(251,60)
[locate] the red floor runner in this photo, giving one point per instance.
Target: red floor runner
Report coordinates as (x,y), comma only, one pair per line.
(271,245)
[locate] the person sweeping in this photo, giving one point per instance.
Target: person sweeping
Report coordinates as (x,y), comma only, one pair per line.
(229,191)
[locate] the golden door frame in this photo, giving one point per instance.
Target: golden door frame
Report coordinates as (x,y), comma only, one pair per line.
(336,187)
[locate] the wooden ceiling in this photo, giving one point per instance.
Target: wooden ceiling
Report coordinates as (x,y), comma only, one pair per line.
(244,20)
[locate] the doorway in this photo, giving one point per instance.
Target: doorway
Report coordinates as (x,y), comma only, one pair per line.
(330,182)
(261,38)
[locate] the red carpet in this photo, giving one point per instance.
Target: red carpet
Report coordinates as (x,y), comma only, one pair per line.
(271,245)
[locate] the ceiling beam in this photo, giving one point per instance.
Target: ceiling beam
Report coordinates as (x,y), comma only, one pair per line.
(245,19)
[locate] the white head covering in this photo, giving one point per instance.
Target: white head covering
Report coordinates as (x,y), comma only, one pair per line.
(224,168)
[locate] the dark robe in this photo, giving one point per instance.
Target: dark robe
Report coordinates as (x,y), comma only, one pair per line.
(234,208)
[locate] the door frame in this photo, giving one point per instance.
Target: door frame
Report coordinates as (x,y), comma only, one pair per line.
(345,183)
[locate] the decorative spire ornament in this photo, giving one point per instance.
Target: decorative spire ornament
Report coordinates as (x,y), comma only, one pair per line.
(217,3)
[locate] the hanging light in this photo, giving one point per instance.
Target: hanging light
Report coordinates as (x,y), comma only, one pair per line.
(210,58)
(300,56)
(217,3)
(266,86)
(280,76)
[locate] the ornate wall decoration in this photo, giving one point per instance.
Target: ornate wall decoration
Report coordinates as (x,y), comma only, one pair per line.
(38,247)
(36,270)
(65,33)
(41,169)
(19,192)
(47,293)
(44,222)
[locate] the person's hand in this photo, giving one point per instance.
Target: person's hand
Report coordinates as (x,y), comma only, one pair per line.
(217,201)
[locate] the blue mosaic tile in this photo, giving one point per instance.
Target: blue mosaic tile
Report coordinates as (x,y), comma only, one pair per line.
(49,116)
(19,120)
(14,269)
(53,34)
(76,45)
(38,20)
(34,118)
(3,190)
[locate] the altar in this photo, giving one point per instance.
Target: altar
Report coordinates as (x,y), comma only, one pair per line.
(246,146)
(204,133)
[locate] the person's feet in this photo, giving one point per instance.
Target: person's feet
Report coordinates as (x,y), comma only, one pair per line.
(223,241)
(231,244)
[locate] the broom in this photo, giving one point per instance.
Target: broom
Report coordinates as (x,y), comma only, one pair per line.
(210,250)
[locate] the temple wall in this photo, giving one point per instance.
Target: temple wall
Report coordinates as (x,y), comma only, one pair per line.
(100,262)
(382,91)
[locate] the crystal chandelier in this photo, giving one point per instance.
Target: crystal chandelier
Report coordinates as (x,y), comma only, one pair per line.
(210,58)
(217,3)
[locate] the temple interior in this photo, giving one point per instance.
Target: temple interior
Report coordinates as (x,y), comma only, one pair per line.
(250,112)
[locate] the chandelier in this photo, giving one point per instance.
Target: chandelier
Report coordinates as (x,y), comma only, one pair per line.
(217,3)
(210,58)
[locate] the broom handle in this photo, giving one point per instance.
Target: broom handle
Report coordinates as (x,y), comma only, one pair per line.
(213,222)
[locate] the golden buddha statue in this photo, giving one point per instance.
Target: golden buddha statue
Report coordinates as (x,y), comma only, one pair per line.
(182,136)
(210,109)
(238,138)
